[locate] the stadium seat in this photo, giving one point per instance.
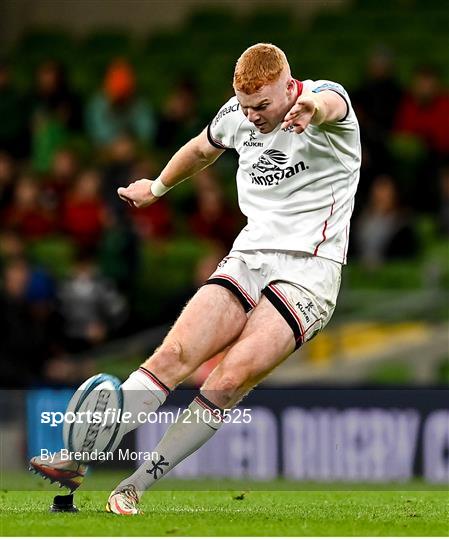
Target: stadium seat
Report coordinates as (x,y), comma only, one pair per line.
(111,41)
(36,46)
(46,42)
(98,50)
(408,153)
(56,254)
(210,19)
(166,270)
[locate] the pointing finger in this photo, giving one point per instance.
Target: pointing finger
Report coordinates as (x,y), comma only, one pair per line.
(129,201)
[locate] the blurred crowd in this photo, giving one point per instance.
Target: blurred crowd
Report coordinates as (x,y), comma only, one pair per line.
(62,159)
(405,167)
(405,163)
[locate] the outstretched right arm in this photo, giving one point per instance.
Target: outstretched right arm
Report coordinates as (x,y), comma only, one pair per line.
(194,156)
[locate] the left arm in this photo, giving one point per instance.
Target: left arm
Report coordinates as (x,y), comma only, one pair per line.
(316,109)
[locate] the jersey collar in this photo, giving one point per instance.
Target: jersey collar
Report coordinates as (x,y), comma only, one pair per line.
(299,86)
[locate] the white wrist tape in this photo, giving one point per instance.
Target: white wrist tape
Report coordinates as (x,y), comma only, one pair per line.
(158,188)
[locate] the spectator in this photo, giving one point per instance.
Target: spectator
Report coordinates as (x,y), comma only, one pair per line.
(205,266)
(60,180)
(90,306)
(119,252)
(213,219)
(424,111)
(155,222)
(14,134)
(376,102)
(179,119)
(26,213)
(7,178)
(118,170)
(119,245)
(12,245)
(27,331)
(56,112)
(40,290)
(118,110)
(383,231)
(377,99)
(444,200)
(83,216)
(67,370)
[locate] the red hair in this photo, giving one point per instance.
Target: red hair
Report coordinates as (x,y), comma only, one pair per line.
(259,65)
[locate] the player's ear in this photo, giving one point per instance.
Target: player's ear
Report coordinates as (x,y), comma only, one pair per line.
(290,86)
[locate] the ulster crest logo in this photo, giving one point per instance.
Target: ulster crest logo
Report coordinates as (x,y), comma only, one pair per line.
(271,162)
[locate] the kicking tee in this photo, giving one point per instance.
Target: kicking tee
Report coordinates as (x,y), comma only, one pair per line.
(296,190)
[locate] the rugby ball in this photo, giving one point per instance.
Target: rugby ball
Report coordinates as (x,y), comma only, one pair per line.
(90,423)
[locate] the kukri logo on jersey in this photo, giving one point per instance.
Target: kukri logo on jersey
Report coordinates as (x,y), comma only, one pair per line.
(270,165)
(252,140)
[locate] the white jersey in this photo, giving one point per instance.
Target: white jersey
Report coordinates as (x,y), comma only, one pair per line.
(296,190)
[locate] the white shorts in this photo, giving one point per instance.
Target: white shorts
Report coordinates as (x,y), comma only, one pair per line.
(302,287)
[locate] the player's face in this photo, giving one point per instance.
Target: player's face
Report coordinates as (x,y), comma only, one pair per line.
(267,107)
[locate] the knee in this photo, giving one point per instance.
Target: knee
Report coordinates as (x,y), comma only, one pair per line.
(226,388)
(170,351)
(168,363)
(236,381)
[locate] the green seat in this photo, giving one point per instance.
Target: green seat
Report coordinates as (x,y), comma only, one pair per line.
(215,18)
(155,80)
(408,153)
(270,18)
(46,42)
(166,269)
(103,46)
(36,46)
(56,254)
(109,40)
(397,275)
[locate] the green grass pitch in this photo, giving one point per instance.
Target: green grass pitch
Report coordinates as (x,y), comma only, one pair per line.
(276,508)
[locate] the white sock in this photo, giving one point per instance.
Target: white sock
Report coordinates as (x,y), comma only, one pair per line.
(193,428)
(143,393)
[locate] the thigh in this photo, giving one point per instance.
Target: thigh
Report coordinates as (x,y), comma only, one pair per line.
(241,274)
(211,320)
(268,336)
(264,343)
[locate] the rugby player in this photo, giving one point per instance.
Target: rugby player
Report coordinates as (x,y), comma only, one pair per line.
(299,158)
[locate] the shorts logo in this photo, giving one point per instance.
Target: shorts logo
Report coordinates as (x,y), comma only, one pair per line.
(252,140)
(305,310)
(271,162)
